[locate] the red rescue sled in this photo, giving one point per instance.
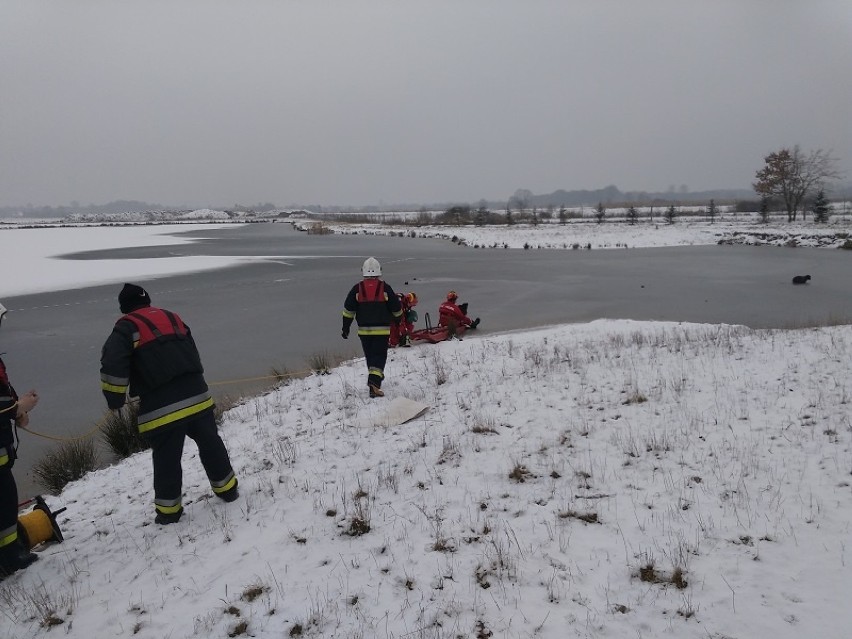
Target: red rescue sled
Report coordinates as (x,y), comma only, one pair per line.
(435,334)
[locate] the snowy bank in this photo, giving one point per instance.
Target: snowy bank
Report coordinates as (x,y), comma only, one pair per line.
(614,234)
(611,479)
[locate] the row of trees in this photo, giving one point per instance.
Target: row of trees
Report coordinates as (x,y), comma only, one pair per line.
(790,177)
(463,215)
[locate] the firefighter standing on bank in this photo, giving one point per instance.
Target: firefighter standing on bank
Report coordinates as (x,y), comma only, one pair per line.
(373,303)
(151,354)
(14,412)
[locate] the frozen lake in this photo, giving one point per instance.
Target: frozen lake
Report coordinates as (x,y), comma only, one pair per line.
(279,311)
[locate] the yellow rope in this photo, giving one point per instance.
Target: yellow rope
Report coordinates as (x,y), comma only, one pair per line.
(65,439)
(104,418)
(256,379)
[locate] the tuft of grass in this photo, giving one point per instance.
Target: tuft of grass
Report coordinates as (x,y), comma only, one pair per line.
(38,603)
(320,363)
(649,574)
(240,629)
(71,461)
(442,374)
(357,526)
(282,375)
(635,398)
(224,403)
(253,592)
(359,519)
(589,518)
(520,473)
(120,431)
(482,631)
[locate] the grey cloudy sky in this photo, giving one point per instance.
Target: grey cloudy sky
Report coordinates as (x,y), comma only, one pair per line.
(191,102)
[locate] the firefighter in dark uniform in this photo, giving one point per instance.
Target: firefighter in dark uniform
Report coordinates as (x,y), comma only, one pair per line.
(14,411)
(374,305)
(151,354)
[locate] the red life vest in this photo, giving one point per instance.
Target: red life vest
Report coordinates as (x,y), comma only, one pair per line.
(152,323)
(371,291)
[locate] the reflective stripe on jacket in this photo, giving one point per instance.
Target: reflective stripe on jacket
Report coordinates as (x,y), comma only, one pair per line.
(374,305)
(8,535)
(151,355)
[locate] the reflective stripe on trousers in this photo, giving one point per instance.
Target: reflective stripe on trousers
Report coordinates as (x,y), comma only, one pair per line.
(174,412)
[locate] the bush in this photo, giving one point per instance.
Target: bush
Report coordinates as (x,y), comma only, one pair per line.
(318,228)
(320,363)
(222,406)
(71,461)
(120,431)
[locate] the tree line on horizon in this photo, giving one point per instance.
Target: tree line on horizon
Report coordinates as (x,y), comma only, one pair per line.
(789,176)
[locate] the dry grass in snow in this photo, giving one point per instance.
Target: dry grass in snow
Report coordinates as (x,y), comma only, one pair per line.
(611,479)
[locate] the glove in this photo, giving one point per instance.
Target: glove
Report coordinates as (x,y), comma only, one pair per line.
(345,333)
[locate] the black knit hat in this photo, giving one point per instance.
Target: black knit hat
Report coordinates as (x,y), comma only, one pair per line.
(133,297)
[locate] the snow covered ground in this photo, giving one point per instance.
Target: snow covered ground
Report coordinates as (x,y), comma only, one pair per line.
(617,233)
(610,479)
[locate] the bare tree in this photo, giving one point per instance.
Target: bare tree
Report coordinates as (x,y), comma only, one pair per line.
(791,175)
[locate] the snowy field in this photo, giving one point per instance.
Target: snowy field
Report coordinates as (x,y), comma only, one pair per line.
(611,479)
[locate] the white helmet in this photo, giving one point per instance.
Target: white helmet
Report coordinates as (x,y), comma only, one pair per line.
(371,268)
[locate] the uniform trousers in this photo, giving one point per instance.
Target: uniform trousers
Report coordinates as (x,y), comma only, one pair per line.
(8,504)
(376,353)
(167,449)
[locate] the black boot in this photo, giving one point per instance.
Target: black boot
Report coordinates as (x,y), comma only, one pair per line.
(164,519)
(231,494)
(15,557)
(475,323)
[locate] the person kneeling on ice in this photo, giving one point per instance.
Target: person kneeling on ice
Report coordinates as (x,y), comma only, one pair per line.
(400,334)
(453,315)
(151,354)
(374,305)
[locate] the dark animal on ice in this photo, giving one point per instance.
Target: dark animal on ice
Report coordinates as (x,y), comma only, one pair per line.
(801,279)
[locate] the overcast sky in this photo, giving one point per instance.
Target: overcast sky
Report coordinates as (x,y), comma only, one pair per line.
(209,102)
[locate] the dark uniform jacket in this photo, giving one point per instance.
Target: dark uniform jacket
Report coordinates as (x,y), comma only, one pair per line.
(374,304)
(8,409)
(150,354)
